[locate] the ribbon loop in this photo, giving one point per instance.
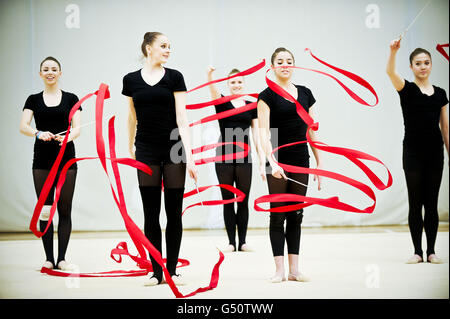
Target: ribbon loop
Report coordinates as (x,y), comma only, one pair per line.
(352,155)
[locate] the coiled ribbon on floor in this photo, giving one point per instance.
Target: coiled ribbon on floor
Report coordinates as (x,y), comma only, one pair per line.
(354,156)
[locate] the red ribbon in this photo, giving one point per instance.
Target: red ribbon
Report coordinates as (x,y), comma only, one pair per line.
(239,196)
(440,48)
(138,238)
(352,155)
(224,114)
(249,71)
(136,235)
(224,157)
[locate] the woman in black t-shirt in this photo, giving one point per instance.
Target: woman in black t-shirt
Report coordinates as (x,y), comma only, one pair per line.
(424,108)
(238,171)
(280,124)
(159,131)
(50,109)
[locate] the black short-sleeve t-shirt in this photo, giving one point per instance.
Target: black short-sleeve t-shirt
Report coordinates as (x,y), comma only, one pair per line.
(235,128)
(155,106)
(421,115)
(54,119)
(286,125)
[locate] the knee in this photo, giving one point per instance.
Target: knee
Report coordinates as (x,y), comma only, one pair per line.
(174,220)
(277,222)
(431,213)
(64,211)
(243,206)
(295,218)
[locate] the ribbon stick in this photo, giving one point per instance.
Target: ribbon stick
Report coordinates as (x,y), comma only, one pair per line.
(414,20)
(354,156)
(295,181)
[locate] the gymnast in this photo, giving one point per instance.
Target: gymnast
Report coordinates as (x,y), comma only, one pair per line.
(50,109)
(279,122)
(159,137)
(237,171)
(424,108)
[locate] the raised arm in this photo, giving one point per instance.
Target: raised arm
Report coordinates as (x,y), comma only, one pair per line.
(397,81)
(212,88)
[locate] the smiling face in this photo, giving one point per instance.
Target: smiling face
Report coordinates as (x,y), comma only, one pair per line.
(50,72)
(236,85)
(421,66)
(283,60)
(159,50)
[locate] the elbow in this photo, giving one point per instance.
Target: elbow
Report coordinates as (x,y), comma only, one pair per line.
(76,133)
(22,129)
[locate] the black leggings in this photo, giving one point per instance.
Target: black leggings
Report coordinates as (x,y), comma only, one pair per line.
(241,175)
(423,191)
(278,235)
(173,176)
(64,207)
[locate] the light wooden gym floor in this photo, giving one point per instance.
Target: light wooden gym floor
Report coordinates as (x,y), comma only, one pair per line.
(342,263)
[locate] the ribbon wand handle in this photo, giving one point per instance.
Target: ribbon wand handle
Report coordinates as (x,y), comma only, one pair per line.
(414,20)
(86,124)
(293,180)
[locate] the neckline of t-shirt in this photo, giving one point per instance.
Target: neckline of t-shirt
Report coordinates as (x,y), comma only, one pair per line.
(298,94)
(434,89)
(245,101)
(236,107)
(140,74)
(52,106)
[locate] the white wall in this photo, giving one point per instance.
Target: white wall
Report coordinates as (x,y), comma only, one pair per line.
(227,34)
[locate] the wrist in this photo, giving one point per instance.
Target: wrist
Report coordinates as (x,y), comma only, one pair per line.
(37,134)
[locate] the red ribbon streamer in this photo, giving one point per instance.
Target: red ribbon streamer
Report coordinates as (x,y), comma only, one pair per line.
(225,157)
(249,71)
(440,48)
(352,155)
(224,114)
(239,196)
(135,233)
